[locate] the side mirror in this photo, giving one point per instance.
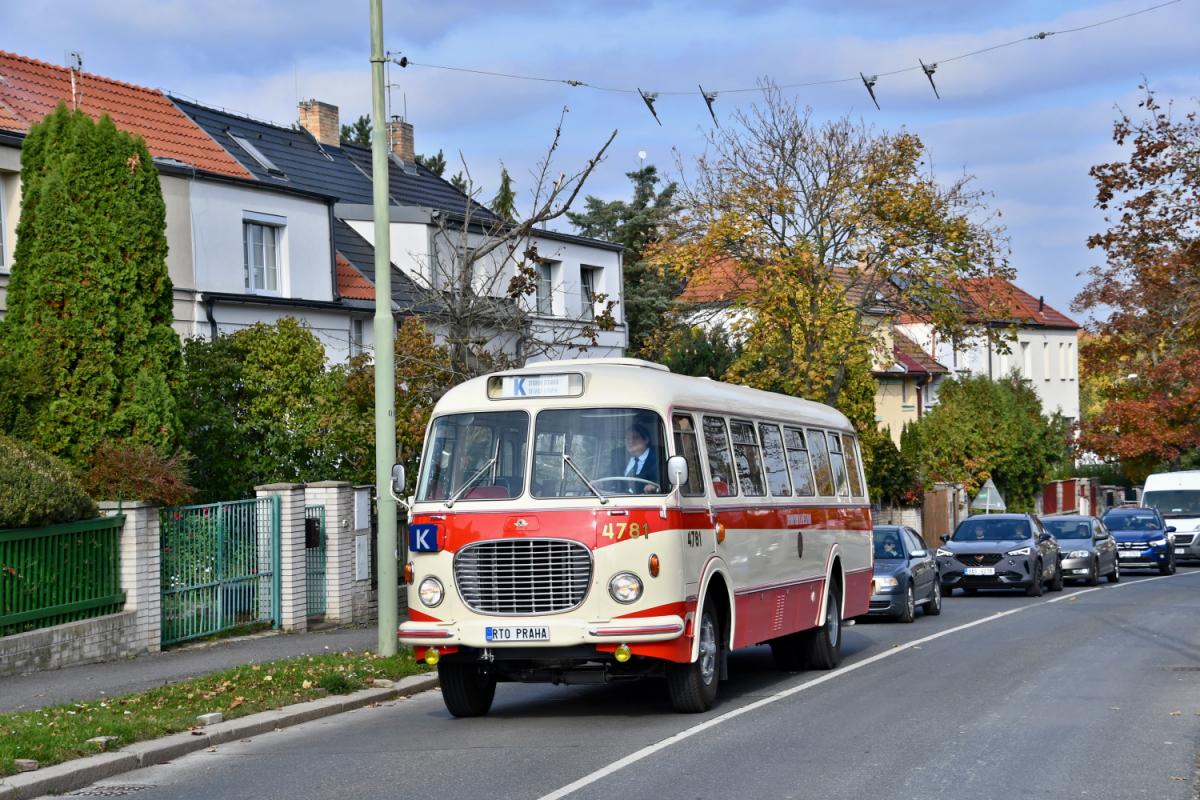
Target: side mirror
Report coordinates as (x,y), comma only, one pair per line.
(945,537)
(1101,536)
(677,471)
(397,479)
(918,554)
(1044,537)
(1170,529)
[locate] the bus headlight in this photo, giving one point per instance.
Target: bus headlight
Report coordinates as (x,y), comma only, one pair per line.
(431,592)
(625,587)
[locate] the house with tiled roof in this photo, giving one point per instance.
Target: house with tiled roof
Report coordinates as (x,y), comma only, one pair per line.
(431,225)
(1023,334)
(903,388)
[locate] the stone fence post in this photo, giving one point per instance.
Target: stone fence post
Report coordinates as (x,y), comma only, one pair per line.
(141,580)
(293,581)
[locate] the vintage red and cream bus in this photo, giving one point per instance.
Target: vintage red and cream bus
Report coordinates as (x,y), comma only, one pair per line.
(599,519)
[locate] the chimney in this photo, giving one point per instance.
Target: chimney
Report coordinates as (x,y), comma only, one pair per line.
(321,120)
(400,136)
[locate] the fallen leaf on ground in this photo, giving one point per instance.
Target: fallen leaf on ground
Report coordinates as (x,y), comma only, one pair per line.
(237,701)
(307,684)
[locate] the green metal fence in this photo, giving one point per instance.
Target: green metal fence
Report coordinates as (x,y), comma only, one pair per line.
(314,558)
(60,573)
(219,567)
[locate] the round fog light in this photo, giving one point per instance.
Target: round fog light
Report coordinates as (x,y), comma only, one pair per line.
(623,653)
(625,587)
(432,656)
(430,591)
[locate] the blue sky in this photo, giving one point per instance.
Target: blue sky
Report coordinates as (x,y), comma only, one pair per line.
(1027,121)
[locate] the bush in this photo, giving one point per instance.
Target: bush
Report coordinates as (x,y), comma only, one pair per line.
(127,471)
(37,489)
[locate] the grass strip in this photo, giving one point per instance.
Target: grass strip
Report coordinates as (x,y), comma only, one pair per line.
(55,734)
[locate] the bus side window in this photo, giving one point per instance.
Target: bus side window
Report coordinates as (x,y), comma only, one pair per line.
(687,446)
(839,465)
(748,459)
(775,461)
(720,462)
(822,470)
(798,462)
(850,448)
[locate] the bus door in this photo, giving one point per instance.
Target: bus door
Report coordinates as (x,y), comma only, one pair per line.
(698,529)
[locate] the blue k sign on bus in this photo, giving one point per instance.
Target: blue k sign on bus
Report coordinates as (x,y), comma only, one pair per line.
(424,538)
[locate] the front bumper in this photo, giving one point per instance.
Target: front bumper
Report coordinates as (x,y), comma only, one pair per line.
(890,604)
(1149,558)
(564,632)
(1010,572)
(1187,546)
(1079,568)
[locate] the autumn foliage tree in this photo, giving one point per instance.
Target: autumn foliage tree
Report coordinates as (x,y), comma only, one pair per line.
(828,230)
(1142,361)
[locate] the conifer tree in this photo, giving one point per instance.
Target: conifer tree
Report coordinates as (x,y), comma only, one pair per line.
(505,201)
(87,351)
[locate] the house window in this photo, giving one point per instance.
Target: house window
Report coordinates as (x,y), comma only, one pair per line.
(356,336)
(1062,361)
(260,242)
(1026,360)
(1072,366)
(589,279)
(545,285)
(1046,360)
(3,252)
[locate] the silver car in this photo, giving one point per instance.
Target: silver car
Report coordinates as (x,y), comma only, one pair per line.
(1089,551)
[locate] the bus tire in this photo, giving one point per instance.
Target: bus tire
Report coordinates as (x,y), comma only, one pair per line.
(693,687)
(466,690)
(822,647)
(787,652)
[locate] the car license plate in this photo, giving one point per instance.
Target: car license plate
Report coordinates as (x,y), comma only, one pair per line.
(979,571)
(1181,551)
(1132,553)
(515,633)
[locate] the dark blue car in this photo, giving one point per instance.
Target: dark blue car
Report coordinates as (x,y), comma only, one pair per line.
(1143,538)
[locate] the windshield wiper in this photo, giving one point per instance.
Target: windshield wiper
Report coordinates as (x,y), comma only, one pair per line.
(454,497)
(567,460)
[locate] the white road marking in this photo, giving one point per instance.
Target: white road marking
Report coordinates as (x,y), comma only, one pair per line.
(688,733)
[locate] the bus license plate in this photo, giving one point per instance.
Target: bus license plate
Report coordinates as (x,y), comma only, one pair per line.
(980,571)
(518,634)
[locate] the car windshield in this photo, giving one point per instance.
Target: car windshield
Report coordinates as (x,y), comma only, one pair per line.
(887,544)
(1175,503)
(609,451)
(992,530)
(1068,528)
(1132,521)
(475,457)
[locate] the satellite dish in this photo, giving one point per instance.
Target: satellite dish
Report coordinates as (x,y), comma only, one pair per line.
(988,499)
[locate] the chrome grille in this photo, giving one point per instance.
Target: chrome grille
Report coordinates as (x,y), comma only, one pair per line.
(523,576)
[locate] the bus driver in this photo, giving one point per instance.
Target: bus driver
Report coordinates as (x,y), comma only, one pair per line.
(643,462)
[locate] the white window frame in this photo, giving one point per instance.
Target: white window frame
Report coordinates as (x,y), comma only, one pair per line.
(589,277)
(544,293)
(1062,361)
(1027,359)
(278,227)
(1072,363)
(3,231)
(1046,360)
(356,336)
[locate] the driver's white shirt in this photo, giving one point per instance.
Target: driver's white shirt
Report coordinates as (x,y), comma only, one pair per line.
(635,463)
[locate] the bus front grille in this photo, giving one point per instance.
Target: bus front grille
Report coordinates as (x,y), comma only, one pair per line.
(523,576)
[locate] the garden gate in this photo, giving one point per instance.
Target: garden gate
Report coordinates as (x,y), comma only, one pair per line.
(314,559)
(219,567)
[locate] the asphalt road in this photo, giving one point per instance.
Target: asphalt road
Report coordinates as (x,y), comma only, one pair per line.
(1092,694)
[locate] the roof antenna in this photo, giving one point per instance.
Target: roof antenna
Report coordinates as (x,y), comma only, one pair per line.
(869,82)
(929,69)
(649,98)
(709,99)
(75,66)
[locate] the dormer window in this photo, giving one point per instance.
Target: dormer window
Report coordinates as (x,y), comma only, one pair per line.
(257,155)
(262,241)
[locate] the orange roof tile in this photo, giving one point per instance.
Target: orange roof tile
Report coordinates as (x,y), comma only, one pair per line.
(998,300)
(351,283)
(724,281)
(31,89)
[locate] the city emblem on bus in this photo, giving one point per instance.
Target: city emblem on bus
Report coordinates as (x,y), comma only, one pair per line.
(423,538)
(521,523)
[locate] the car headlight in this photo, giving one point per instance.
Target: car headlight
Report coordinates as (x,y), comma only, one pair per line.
(885,583)
(625,587)
(1021,551)
(941,551)
(1078,554)
(1158,542)
(431,592)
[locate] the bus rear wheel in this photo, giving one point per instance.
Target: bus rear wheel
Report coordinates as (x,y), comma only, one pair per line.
(466,689)
(693,687)
(822,647)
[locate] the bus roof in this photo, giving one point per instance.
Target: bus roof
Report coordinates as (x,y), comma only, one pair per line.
(631,382)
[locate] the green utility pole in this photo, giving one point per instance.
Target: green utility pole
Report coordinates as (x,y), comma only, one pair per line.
(385,334)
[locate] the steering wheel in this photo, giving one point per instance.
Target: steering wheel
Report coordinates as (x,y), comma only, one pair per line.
(629,478)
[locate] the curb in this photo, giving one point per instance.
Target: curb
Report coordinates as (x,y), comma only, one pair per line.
(80,772)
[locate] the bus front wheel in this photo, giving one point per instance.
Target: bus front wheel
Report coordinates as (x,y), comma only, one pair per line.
(693,687)
(466,690)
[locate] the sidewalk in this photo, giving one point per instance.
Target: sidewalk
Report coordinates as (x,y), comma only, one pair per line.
(93,681)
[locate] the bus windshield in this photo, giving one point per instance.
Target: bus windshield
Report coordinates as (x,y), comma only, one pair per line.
(606,451)
(475,457)
(1174,503)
